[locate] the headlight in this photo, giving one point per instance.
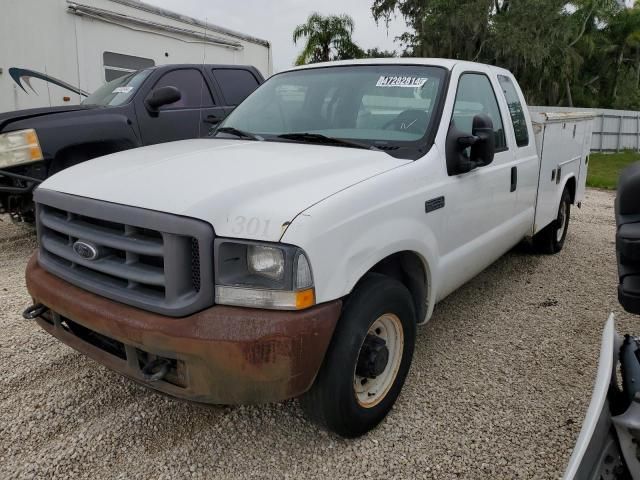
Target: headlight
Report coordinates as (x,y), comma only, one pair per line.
(19,147)
(267,261)
(260,275)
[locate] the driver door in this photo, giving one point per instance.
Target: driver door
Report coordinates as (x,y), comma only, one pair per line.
(480,202)
(186,118)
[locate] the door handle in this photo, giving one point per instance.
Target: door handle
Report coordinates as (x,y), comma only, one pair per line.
(514,179)
(212,119)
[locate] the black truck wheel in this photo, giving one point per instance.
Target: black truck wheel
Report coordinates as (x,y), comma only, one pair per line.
(551,239)
(368,358)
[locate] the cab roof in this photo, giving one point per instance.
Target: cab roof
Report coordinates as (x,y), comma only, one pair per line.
(447,63)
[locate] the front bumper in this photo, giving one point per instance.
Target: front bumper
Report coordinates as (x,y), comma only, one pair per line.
(221,355)
(30,183)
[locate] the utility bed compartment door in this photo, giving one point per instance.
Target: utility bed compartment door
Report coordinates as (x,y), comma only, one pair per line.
(563,142)
(584,168)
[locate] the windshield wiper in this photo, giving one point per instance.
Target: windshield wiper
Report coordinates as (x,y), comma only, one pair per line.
(323,139)
(238,133)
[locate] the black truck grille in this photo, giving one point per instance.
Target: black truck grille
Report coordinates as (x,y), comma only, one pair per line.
(143,258)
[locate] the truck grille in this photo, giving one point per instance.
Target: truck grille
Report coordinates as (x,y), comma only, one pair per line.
(151,260)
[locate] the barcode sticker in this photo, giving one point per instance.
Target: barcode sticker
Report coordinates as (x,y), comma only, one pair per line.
(406,82)
(122,90)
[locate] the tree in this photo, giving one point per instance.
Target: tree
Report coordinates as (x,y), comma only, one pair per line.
(563,52)
(624,33)
(377,53)
(326,38)
(442,28)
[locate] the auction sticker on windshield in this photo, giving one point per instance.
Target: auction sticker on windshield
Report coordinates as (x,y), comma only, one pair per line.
(408,82)
(122,90)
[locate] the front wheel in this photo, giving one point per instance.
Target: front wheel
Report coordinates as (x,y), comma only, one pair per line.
(551,239)
(368,360)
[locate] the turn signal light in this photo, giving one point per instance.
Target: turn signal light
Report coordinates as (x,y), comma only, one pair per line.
(305,299)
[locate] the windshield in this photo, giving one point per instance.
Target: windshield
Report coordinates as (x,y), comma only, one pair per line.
(118,91)
(388,106)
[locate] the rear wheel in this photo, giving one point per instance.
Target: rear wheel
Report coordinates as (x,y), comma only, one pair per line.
(551,239)
(368,360)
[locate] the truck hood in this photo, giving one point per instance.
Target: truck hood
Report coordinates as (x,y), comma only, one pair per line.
(7,118)
(245,189)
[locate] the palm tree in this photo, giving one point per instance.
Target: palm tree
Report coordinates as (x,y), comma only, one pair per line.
(327,38)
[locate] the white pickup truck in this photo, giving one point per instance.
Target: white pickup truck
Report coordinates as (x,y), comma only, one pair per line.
(295,252)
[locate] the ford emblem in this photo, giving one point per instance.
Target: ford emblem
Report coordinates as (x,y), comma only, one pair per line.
(86,250)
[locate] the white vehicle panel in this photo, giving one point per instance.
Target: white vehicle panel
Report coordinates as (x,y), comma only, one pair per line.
(348,233)
(245,189)
(592,424)
(561,140)
(584,166)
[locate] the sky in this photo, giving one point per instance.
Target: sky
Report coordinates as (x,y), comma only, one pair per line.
(274,20)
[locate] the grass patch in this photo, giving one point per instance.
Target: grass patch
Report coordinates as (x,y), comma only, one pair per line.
(604,168)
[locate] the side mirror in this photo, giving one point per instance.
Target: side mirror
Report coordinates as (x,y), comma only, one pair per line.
(628,238)
(481,144)
(162,96)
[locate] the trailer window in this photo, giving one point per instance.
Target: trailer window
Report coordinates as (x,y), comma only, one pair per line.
(515,110)
(118,65)
(190,82)
(475,95)
(236,85)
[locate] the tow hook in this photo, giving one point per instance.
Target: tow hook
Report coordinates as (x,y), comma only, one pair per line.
(34,311)
(155,370)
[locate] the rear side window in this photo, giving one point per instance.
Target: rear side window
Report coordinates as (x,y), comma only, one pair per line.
(190,82)
(475,95)
(515,110)
(236,85)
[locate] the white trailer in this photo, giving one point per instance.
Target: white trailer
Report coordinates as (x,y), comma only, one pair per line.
(55,52)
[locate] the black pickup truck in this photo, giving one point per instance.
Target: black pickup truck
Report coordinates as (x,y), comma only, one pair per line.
(155,105)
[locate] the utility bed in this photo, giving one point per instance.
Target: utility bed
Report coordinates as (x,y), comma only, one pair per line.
(563,141)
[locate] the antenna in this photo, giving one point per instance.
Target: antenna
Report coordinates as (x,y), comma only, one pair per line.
(47,83)
(203,74)
(75,34)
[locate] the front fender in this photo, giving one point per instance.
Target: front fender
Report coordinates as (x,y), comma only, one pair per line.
(62,131)
(350,232)
(340,257)
(112,129)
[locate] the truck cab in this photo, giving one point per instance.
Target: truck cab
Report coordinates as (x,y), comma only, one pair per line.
(295,253)
(146,107)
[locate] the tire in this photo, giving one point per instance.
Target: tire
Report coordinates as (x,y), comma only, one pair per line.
(379,306)
(550,239)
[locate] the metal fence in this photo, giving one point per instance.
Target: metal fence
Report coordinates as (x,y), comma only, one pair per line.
(613,130)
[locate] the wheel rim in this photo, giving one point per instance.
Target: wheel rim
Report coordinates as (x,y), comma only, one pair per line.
(371,391)
(562,221)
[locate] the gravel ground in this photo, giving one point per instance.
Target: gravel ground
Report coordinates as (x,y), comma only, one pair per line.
(500,383)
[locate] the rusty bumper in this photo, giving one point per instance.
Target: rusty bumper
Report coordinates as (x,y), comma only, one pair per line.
(222,355)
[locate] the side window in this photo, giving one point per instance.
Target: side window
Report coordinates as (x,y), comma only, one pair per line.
(194,90)
(118,65)
(515,111)
(236,85)
(475,95)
